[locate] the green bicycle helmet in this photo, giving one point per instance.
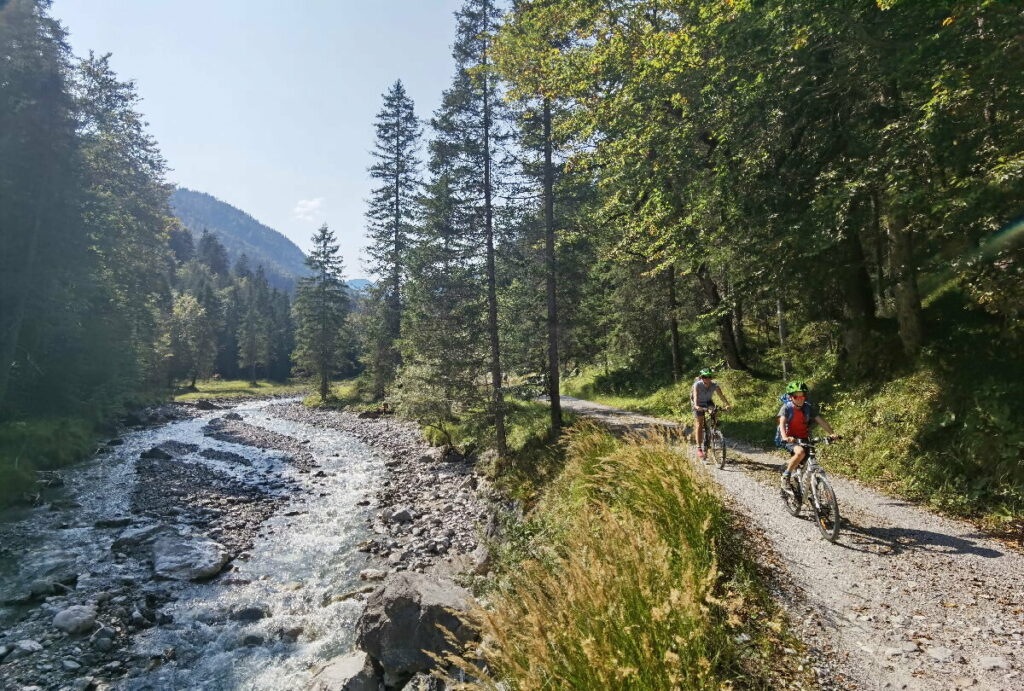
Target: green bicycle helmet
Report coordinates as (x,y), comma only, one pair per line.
(794,386)
(707,372)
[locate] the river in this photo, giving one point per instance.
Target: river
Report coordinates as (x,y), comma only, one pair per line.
(292,513)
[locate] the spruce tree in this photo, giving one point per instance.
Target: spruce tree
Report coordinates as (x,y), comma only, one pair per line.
(254,329)
(321,307)
(389,217)
(469,127)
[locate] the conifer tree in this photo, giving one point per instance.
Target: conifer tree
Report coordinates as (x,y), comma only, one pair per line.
(212,253)
(321,307)
(389,216)
(469,128)
(254,329)
(443,343)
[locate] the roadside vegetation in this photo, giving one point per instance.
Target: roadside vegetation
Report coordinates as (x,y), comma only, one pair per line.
(630,573)
(940,434)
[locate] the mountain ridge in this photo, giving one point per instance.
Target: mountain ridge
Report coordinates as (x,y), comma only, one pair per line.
(240,233)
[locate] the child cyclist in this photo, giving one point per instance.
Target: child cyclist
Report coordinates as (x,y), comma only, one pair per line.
(795,418)
(704,388)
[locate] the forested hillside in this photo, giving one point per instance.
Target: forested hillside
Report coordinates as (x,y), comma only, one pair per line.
(241,234)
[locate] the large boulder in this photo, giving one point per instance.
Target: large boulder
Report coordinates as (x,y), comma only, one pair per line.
(184,558)
(76,619)
(402,621)
(352,672)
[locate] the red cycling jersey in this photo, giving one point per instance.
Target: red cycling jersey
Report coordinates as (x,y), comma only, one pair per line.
(798,425)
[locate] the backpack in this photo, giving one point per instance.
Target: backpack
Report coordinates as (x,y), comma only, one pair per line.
(787,412)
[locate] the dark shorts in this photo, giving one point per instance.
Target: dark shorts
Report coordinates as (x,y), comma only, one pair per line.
(791,447)
(700,413)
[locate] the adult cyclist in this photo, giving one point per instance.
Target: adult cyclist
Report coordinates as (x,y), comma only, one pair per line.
(795,418)
(701,394)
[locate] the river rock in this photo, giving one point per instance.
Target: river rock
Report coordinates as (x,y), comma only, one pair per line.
(183,558)
(24,648)
(402,514)
(250,614)
(156,453)
(232,416)
(939,654)
(401,621)
(76,619)
(352,672)
(203,404)
(132,539)
(993,663)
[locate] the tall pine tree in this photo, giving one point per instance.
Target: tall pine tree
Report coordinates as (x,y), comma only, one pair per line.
(389,216)
(321,307)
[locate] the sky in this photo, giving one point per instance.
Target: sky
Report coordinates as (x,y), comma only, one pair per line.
(269,105)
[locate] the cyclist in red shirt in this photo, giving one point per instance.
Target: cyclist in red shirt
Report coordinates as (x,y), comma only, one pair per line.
(795,418)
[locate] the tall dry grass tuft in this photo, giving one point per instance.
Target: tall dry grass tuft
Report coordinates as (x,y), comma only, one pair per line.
(633,598)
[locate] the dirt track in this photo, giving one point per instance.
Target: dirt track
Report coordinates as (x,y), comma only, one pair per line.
(905,599)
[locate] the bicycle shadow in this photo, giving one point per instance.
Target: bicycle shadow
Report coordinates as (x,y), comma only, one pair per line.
(880,540)
(894,541)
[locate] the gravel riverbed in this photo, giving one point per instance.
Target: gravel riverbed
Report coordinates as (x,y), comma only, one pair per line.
(85,606)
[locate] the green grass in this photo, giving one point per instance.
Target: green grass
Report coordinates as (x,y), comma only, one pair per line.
(240,388)
(41,444)
(631,574)
(344,395)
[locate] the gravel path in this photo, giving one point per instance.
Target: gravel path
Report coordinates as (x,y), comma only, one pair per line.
(905,599)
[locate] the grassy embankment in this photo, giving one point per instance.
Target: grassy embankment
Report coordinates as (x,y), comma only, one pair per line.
(941,436)
(240,388)
(630,573)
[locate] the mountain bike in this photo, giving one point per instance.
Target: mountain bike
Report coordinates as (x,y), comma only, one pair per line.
(714,440)
(811,481)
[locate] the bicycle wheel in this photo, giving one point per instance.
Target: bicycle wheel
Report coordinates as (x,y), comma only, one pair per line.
(718,448)
(827,508)
(793,500)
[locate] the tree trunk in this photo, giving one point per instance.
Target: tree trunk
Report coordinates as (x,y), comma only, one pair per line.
(492,291)
(737,325)
(325,387)
(10,324)
(782,336)
(673,324)
(549,256)
(722,317)
(904,276)
(859,320)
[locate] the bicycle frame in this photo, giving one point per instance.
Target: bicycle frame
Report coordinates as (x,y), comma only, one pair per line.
(809,468)
(710,424)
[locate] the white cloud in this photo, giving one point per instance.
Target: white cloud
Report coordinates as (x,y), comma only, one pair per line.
(308,209)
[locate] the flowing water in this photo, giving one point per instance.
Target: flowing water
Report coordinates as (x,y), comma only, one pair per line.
(303,557)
